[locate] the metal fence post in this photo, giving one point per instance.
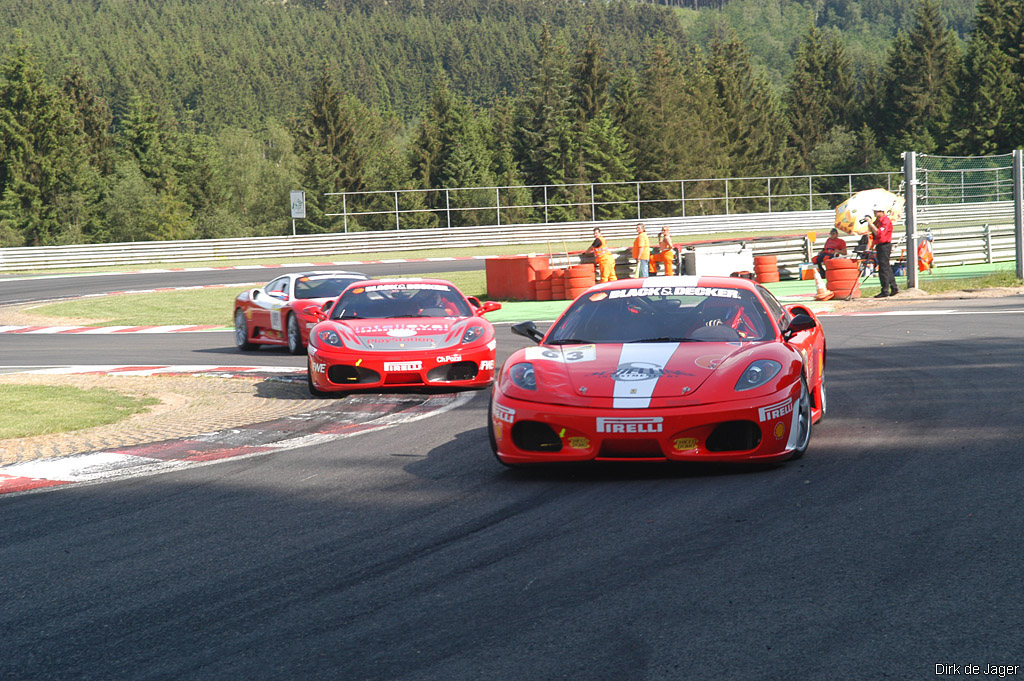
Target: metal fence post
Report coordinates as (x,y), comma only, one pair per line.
(682,196)
(910,182)
(497,204)
(546,204)
(593,208)
(1018,212)
(448,207)
(637,200)
(397,224)
(988,244)
(344,211)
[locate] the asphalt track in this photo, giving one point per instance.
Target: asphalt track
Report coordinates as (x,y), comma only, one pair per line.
(892,548)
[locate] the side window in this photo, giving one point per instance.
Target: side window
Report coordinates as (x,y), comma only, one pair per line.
(775,309)
(279,285)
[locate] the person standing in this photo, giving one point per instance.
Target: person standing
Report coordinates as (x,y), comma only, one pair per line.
(602,257)
(666,254)
(881,229)
(641,251)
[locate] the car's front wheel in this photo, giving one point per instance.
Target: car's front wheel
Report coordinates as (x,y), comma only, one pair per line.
(313,390)
(242,332)
(802,422)
(295,345)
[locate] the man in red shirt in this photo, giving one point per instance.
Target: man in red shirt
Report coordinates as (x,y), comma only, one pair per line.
(833,246)
(881,229)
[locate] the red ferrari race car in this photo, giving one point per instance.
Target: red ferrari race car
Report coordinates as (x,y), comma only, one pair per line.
(281,313)
(402,333)
(665,369)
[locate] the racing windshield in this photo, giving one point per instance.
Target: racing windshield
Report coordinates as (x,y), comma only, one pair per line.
(663,314)
(321,286)
(389,301)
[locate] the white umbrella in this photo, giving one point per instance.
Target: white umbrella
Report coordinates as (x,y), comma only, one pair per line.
(850,213)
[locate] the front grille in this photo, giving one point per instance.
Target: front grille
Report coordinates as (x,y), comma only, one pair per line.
(630,449)
(346,374)
(534,436)
(459,371)
(734,436)
(402,378)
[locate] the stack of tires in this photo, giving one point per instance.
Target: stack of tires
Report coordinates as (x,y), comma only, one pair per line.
(542,282)
(766,268)
(842,277)
(578,279)
(557,284)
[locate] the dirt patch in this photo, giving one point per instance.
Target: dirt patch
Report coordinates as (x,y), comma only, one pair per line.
(188,406)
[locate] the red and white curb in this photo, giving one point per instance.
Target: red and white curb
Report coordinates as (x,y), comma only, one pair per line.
(336,420)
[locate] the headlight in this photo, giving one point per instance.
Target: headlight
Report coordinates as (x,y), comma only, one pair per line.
(330,337)
(472,334)
(522,375)
(757,374)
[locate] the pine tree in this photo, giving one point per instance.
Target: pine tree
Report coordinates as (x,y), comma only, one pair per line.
(819,94)
(755,129)
(546,123)
(919,84)
(339,138)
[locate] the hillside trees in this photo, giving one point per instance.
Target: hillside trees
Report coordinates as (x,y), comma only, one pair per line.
(48,189)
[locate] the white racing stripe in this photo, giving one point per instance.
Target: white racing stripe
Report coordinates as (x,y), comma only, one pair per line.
(636,377)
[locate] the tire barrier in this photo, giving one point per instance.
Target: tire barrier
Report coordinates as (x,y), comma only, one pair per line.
(766,268)
(842,277)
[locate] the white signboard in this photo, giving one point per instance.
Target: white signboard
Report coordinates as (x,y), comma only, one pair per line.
(298,204)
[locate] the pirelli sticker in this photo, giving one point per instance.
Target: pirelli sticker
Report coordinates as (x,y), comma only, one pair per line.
(775,411)
(504,413)
(403,366)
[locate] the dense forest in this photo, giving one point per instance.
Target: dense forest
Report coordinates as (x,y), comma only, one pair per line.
(177,119)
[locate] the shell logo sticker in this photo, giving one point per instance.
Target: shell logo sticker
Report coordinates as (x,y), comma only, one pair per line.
(357,291)
(682,444)
(579,443)
(708,361)
(780,430)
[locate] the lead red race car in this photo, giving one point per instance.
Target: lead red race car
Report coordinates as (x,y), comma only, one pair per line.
(402,333)
(663,369)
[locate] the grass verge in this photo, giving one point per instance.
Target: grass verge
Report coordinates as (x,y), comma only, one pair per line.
(39,410)
(208,306)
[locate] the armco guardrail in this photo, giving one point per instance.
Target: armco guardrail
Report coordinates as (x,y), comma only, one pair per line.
(974,218)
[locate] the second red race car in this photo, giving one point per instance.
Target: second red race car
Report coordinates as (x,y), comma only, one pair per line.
(402,333)
(281,313)
(665,369)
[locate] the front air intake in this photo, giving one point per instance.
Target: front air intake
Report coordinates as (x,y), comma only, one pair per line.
(734,436)
(534,436)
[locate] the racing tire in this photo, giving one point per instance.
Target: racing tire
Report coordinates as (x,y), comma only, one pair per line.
(242,332)
(803,421)
(294,334)
(313,390)
(822,399)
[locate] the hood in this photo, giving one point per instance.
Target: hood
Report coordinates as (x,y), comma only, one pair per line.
(635,373)
(386,335)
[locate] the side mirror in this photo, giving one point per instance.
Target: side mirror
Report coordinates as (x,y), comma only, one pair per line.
(319,314)
(799,322)
(528,330)
(489,306)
